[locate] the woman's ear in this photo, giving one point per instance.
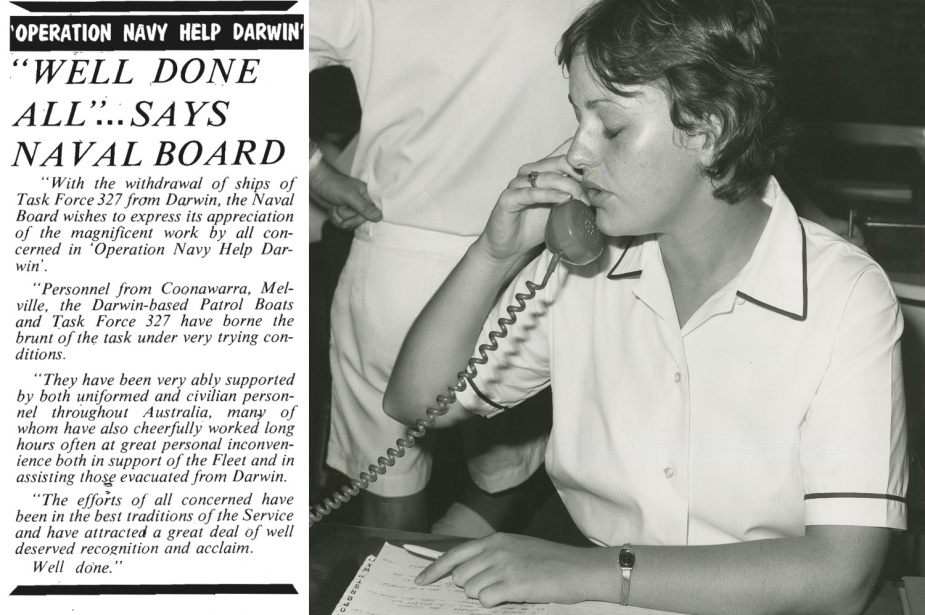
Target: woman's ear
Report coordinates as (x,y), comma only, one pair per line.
(702,139)
(711,132)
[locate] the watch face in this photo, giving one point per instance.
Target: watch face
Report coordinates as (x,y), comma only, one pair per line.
(627,558)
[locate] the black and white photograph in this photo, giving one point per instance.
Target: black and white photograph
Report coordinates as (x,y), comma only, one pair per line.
(617,306)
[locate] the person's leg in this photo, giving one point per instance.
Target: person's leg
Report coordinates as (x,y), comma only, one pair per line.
(479,513)
(407,513)
(388,278)
(363,350)
(503,456)
(326,261)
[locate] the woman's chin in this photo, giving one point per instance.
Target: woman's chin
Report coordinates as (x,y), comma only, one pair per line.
(612,227)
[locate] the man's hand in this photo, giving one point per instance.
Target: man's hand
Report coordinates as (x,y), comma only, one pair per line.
(345,198)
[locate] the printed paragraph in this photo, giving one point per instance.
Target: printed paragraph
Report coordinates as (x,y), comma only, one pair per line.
(113,458)
(153,217)
(58,316)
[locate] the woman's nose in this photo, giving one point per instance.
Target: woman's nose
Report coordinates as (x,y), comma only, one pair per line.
(579,156)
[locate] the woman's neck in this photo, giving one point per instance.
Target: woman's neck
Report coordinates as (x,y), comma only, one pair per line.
(710,250)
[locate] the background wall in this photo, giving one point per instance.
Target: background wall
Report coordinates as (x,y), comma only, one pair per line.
(854,60)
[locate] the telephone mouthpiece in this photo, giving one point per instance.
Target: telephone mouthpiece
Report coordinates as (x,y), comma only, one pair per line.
(572,234)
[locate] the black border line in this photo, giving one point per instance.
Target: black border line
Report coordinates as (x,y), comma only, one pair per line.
(848,494)
(144,590)
(163,6)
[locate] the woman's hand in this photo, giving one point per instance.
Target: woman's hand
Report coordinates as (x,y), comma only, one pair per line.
(508,568)
(517,222)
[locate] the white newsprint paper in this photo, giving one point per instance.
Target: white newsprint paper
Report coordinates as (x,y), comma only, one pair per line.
(154,314)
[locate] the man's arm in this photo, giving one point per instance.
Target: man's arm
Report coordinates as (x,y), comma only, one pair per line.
(336,32)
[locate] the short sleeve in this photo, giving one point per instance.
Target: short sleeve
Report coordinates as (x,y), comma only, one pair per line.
(853,444)
(519,368)
(335,30)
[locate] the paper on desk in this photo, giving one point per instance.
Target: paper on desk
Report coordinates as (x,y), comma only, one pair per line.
(343,605)
(385,586)
(601,608)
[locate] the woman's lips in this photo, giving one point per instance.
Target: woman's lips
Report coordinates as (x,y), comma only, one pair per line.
(593,191)
(590,185)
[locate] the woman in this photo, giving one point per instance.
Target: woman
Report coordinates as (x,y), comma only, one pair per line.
(727,396)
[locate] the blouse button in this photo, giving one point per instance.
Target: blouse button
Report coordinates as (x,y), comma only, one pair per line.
(677,376)
(668,472)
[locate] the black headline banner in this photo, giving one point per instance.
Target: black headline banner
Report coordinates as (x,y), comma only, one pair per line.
(156,32)
(151,6)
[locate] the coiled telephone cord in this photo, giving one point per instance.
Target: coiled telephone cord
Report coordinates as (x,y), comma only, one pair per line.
(345,493)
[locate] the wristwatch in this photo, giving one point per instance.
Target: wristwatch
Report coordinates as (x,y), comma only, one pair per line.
(627,559)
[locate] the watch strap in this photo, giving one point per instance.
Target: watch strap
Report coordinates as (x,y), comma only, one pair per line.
(627,560)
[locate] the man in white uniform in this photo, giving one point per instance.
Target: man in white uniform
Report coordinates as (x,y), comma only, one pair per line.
(454,96)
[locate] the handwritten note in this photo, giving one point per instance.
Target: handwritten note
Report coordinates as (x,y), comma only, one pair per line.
(385,585)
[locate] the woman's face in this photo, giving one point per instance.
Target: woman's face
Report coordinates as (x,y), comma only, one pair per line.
(638,170)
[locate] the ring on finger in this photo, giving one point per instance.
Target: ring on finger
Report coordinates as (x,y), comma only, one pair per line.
(531,177)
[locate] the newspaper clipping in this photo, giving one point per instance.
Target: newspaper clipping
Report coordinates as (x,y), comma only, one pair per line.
(155,355)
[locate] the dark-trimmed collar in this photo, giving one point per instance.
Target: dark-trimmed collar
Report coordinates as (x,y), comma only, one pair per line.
(775,278)
(631,269)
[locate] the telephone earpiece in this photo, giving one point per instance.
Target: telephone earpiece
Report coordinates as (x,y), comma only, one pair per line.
(572,234)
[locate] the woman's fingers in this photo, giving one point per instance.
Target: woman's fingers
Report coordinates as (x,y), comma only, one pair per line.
(474,567)
(556,164)
(475,584)
(562,150)
(549,181)
(446,563)
(533,196)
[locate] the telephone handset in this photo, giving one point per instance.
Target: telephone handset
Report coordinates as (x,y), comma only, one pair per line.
(571,233)
(572,236)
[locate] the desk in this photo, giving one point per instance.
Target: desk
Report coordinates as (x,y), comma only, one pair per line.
(335,553)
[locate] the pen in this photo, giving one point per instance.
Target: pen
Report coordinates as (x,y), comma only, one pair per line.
(423,552)
(850,222)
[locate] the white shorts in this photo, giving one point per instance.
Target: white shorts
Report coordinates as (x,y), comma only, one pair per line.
(391,273)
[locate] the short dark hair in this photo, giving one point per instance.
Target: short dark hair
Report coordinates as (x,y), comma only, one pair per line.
(713,58)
